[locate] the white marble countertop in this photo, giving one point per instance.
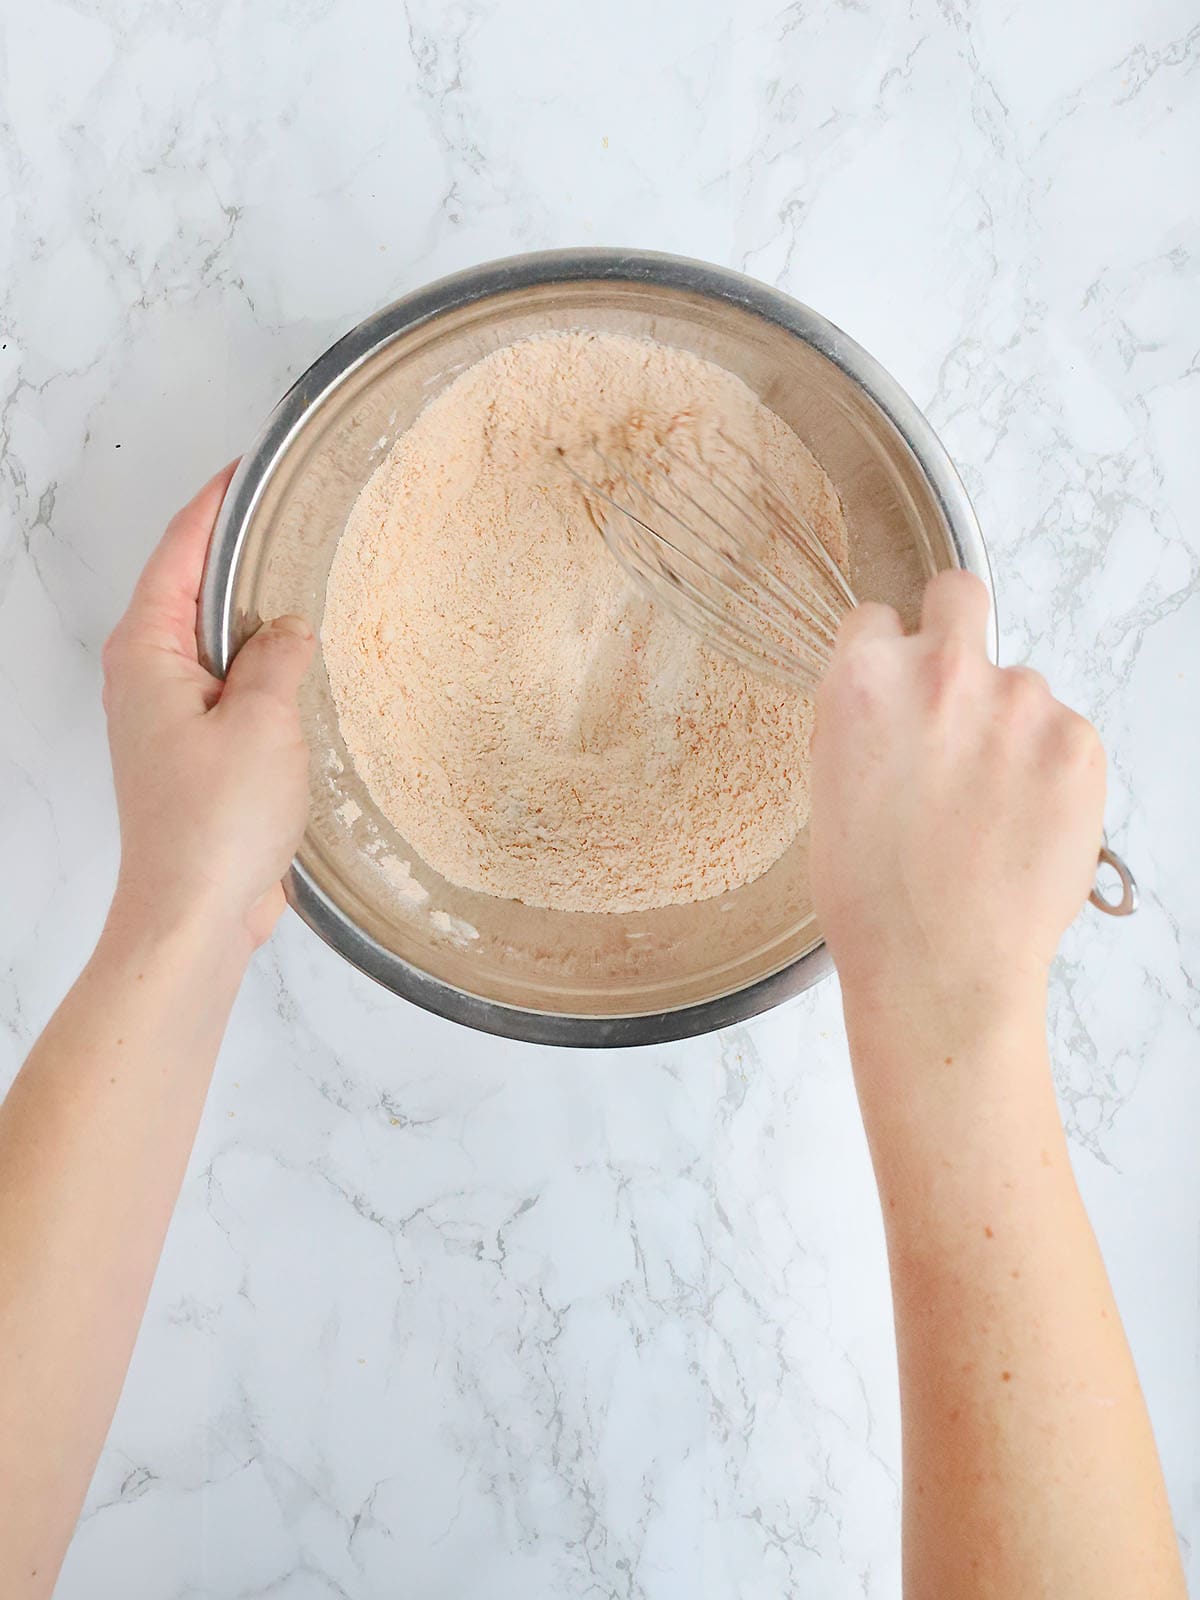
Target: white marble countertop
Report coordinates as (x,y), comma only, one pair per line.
(445,1316)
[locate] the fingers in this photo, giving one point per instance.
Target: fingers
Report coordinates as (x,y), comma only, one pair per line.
(957,606)
(854,669)
(270,665)
(869,621)
(1025,678)
(163,608)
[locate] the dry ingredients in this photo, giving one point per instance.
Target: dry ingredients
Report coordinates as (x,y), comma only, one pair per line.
(528,723)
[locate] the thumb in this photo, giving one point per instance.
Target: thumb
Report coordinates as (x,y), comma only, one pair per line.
(271,663)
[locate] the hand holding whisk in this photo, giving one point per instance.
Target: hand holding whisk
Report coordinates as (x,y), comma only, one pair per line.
(714,540)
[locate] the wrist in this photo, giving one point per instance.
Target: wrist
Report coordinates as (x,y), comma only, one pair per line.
(943,1072)
(960,1008)
(192,929)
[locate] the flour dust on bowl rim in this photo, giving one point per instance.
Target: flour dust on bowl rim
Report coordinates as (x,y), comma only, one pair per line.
(555,977)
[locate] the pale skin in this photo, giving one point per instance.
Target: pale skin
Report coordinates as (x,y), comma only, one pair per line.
(957,815)
(1029,1467)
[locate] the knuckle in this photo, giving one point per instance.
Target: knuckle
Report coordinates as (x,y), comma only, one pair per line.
(262,708)
(283,647)
(869,624)
(962,585)
(1023,691)
(866,616)
(955,595)
(112,653)
(860,676)
(946,665)
(1026,679)
(275,638)
(952,655)
(176,523)
(1080,739)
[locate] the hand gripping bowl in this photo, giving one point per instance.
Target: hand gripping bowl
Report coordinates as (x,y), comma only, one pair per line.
(562,977)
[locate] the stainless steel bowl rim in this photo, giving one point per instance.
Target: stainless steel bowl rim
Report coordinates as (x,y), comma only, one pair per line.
(495,279)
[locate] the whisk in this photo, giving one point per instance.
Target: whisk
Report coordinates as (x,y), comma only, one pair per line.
(717,542)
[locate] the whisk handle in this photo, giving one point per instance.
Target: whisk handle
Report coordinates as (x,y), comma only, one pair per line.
(1127,904)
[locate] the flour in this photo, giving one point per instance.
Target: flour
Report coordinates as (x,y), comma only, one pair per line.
(454,928)
(399,874)
(530,725)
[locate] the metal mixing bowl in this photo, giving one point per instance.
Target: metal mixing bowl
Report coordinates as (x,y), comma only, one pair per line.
(560,977)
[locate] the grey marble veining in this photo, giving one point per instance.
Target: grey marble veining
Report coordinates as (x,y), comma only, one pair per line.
(446,1316)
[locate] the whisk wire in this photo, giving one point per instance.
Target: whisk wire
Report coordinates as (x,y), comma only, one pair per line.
(752,513)
(765,579)
(718,629)
(806,539)
(722,569)
(672,588)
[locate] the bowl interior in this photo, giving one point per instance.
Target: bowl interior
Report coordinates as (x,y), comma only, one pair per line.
(498,950)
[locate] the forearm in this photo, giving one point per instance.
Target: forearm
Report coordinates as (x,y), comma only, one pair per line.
(94,1138)
(1029,1467)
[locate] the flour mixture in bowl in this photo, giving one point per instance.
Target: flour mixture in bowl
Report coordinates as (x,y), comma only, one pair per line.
(528,723)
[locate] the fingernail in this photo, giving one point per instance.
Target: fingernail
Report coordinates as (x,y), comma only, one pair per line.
(297,627)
